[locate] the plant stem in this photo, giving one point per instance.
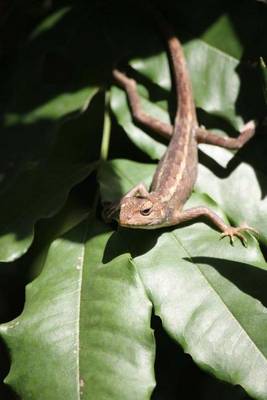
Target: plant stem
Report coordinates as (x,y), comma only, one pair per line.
(106,130)
(105,142)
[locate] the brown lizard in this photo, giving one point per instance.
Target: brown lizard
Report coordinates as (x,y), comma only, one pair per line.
(176,172)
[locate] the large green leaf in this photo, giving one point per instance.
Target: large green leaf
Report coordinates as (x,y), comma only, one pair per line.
(241,192)
(138,136)
(85,329)
(195,286)
(39,187)
(209,69)
(206,291)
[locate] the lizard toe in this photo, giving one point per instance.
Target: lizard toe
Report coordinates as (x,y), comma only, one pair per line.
(109,211)
(231,232)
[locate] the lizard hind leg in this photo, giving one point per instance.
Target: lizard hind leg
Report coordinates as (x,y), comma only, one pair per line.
(248,131)
(129,85)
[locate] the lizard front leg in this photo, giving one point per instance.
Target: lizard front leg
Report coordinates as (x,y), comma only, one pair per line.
(138,191)
(196,212)
(166,130)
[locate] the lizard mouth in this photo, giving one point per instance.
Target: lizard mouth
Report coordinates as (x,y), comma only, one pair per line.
(145,227)
(148,226)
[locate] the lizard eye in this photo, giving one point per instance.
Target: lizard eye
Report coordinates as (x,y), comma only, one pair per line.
(146,211)
(146,208)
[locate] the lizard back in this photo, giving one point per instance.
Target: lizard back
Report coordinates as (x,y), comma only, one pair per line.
(177,171)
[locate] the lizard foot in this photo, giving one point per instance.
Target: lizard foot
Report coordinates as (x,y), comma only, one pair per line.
(232,231)
(110,210)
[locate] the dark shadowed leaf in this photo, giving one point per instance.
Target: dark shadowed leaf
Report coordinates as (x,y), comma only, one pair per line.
(42,155)
(39,186)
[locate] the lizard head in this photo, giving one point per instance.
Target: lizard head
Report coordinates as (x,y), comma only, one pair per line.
(140,212)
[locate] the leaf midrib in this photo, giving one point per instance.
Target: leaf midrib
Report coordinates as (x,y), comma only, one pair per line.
(81,264)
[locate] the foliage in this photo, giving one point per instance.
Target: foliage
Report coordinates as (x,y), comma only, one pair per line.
(103,303)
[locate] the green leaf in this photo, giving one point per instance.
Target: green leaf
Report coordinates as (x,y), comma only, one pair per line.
(55,108)
(196,287)
(216,84)
(137,135)
(39,186)
(241,192)
(209,69)
(208,294)
(217,32)
(124,174)
(50,22)
(85,329)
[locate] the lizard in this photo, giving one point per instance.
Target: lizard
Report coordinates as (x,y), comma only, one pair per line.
(176,173)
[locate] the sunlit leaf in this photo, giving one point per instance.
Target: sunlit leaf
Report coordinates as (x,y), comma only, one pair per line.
(85,329)
(205,291)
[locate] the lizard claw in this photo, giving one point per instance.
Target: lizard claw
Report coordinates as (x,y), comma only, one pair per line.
(236,231)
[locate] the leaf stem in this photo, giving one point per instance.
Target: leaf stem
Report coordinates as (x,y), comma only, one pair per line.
(264,76)
(106,129)
(105,141)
